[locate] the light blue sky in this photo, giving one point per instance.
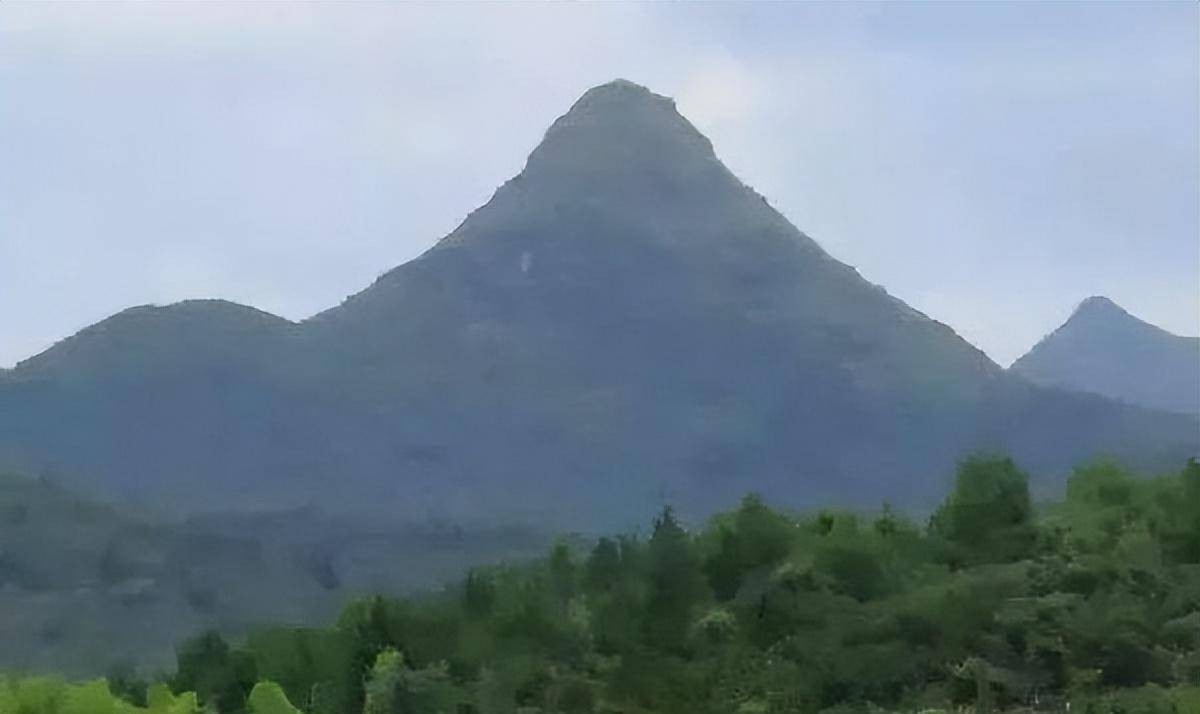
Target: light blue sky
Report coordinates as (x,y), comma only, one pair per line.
(990,164)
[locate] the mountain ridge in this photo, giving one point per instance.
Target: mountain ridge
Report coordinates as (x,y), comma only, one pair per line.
(622,323)
(149,320)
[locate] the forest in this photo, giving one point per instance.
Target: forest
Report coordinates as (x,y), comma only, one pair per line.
(994,603)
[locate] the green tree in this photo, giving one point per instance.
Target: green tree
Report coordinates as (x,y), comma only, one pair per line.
(854,568)
(92,698)
(393,688)
(603,566)
(1102,483)
(676,585)
(479,594)
(268,698)
(160,700)
(221,677)
(368,623)
(562,574)
(757,538)
(308,662)
(1182,530)
(988,518)
(125,683)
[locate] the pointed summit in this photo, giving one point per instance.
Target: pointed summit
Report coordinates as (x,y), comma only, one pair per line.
(1099,315)
(621,94)
(624,156)
(621,128)
(1098,306)
(1102,348)
(623,103)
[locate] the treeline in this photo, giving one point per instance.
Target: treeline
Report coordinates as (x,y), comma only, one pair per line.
(992,605)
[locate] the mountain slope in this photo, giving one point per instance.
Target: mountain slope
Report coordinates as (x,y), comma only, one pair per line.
(156,403)
(625,320)
(623,323)
(1105,350)
(626,309)
(84,587)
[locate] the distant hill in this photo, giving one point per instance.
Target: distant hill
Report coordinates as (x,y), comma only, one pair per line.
(1105,350)
(85,587)
(624,323)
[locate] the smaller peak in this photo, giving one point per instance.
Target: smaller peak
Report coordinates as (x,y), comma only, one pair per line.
(194,307)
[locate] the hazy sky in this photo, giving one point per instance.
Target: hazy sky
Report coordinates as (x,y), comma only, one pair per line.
(991,164)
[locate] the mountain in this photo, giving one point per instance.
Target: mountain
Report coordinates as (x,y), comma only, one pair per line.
(157,403)
(1103,349)
(624,323)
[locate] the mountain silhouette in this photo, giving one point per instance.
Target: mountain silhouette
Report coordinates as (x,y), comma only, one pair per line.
(1103,349)
(624,323)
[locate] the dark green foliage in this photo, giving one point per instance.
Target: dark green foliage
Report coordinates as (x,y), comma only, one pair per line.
(676,585)
(602,571)
(312,666)
(988,518)
(563,574)
(220,676)
(756,538)
(992,607)
(1181,530)
(856,572)
(124,683)
(393,687)
(86,587)
(479,594)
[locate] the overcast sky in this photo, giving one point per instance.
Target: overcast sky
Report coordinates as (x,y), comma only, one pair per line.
(990,164)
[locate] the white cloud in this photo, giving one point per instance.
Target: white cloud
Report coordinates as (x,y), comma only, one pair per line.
(723,91)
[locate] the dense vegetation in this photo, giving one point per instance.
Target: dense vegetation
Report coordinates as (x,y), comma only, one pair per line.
(85,586)
(992,605)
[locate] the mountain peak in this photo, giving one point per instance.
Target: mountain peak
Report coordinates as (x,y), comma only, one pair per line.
(1105,350)
(622,92)
(191,326)
(1099,306)
(621,102)
(618,124)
